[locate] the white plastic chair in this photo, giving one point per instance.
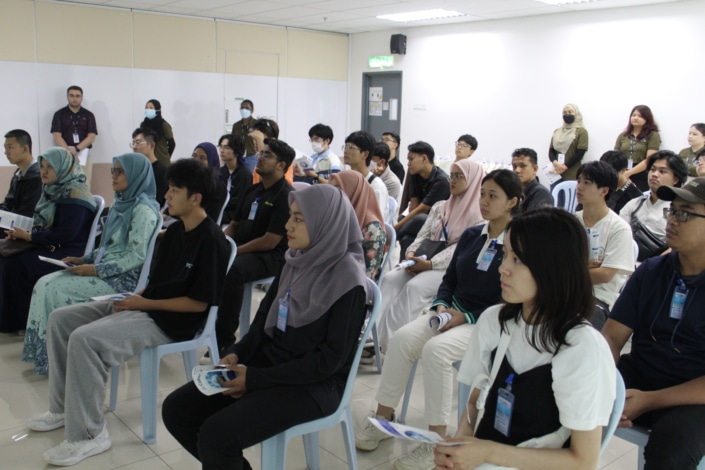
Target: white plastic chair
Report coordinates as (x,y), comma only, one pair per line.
(246,307)
(144,273)
(392,206)
(300,185)
(222,209)
(386,265)
(100,205)
(636,251)
(567,189)
(273,450)
(615,415)
(150,359)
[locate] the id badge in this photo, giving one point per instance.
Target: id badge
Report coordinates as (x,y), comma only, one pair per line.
(253,210)
(678,301)
(487,258)
(561,159)
(282,314)
(505,407)
(76,140)
(443,235)
(630,164)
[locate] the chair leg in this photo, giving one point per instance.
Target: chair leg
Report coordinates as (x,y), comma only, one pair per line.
(273,452)
(311,450)
(213,348)
(349,438)
(407,394)
(378,355)
(190,362)
(114,379)
(245,309)
(149,380)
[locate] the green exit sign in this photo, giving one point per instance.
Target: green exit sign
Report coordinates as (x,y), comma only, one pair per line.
(381,61)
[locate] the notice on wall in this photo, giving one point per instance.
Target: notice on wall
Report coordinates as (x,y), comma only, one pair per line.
(393,109)
(385,105)
(376,93)
(375,108)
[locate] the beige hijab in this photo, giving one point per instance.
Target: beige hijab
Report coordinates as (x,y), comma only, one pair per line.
(565,135)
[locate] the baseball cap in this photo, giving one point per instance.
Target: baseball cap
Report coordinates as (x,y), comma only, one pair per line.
(693,191)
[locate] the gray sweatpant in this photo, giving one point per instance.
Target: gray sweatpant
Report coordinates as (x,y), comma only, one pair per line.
(83,343)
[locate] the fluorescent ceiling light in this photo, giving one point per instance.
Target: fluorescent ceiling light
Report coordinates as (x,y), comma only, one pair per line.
(565,2)
(421,15)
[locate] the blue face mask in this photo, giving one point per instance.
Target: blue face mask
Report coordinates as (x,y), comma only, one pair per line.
(150,113)
(245,113)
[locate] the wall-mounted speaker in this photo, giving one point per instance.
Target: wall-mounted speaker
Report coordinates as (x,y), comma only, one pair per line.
(397,45)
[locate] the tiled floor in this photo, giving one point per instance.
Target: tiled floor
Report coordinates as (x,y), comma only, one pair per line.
(22,394)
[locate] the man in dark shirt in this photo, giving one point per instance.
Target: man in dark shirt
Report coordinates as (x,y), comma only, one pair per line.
(626,190)
(525,164)
(243,127)
(144,141)
(74,129)
(428,184)
(26,184)
(85,341)
(259,231)
(393,140)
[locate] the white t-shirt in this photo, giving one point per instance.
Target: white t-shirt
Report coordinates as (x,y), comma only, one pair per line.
(584,374)
(648,214)
(614,247)
(380,190)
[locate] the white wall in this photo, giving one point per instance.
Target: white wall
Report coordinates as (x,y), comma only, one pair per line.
(506,82)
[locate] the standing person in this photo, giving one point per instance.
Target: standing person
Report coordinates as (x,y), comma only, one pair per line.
(112,268)
(144,141)
(236,176)
(696,142)
(86,341)
(62,222)
(323,162)
(526,166)
(374,236)
(73,128)
(701,163)
(242,129)
(661,310)
(470,285)
(639,141)
(392,140)
(153,120)
(206,154)
(569,143)
(358,149)
(405,292)
(26,183)
(626,190)
(551,353)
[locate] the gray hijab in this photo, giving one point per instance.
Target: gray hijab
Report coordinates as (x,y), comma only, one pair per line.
(332,264)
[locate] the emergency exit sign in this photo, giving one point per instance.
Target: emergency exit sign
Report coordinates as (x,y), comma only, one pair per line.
(381,61)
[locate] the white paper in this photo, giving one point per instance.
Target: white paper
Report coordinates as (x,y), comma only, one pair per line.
(376,93)
(206,378)
(9,220)
(393,109)
(83,156)
(551,174)
(410,433)
(112,296)
(57,262)
(375,108)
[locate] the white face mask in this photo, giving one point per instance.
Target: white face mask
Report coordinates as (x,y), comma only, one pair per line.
(245,113)
(317,146)
(372,166)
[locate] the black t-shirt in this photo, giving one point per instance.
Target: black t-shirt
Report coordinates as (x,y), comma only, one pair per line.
(189,264)
(435,188)
(271,216)
(240,181)
(159,171)
(397,168)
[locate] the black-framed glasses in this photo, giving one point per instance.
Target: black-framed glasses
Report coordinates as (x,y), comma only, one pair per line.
(117,171)
(681,216)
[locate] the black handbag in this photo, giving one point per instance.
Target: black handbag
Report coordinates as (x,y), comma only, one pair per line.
(431,248)
(649,244)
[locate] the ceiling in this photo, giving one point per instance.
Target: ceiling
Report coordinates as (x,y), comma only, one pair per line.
(353,16)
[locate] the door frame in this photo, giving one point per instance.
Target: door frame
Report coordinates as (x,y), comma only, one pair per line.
(366,76)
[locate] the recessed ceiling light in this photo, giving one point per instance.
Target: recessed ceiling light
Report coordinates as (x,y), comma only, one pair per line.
(565,2)
(421,15)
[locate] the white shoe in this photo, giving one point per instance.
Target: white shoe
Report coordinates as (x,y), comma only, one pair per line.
(420,458)
(70,453)
(46,421)
(370,437)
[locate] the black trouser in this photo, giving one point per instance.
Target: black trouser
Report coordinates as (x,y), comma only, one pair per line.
(407,234)
(216,429)
(246,268)
(677,438)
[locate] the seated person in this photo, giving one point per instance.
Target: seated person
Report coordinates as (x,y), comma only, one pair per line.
(207,155)
(664,168)
(661,310)
(380,167)
(626,190)
(235,175)
(374,236)
(392,140)
(259,231)
(26,184)
(112,268)
(428,184)
(544,347)
(526,166)
(323,162)
(86,341)
(358,150)
(470,285)
(405,292)
(144,141)
(62,222)
(264,129)
(291,369)
(611,248)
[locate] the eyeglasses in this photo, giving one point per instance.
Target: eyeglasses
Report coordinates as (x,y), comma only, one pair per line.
(264,154)
(457,176)
(117,171)
(349,147)
(681,216)
(137,143)
(462,145)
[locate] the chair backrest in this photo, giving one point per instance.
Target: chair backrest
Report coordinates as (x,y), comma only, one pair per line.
(300,185)
(100,205)
(144,273)
(392,206)
(391,242)
(567,189)
(222,209)
(636,250)
(615,415)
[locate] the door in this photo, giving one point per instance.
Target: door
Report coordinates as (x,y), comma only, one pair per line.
(381,103)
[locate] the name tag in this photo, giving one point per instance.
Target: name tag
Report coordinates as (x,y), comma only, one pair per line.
(253,210)
(678,301)
(630,164)
(488,256)
(283,313)
(561,159)
(76,140)
(505,408)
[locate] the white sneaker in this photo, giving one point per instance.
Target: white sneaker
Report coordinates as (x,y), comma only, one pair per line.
(70,453)
(46,421)
(370,437)
(420,458)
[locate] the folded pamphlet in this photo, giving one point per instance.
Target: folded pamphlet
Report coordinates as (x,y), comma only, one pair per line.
(206,378)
